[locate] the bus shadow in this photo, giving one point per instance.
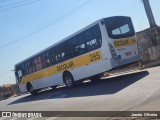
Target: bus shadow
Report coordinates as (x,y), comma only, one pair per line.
(101,87)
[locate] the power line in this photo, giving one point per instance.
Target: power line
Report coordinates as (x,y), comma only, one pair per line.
(19,2)
(46,26)
(3,1)
(16,6)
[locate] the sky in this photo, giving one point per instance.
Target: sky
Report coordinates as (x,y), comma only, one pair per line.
(29,26)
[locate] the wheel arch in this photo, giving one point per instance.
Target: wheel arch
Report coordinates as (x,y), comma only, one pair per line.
(27,85)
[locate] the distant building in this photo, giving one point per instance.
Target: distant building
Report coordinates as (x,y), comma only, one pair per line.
(149,44)
(9,90)
(1,89)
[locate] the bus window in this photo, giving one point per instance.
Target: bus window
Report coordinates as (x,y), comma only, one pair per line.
(93,38)
(26,68)
(124,29)
(38,63)
(82,44)
(66,50)
(75,46)
(31,66)
(23,69)
(89,39)
(116,31)
(18,73)
(58,56)
(97,36)
(35,61)
(48,62)
(119,27)
(121,30)
(53,56)
(45,59)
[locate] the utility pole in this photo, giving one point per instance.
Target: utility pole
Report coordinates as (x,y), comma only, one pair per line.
(153,32)
(152,36)
(149,13)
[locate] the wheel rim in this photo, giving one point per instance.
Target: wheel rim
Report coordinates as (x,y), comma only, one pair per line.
(68,81)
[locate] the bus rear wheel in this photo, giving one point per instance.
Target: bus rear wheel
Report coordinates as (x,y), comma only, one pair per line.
(54,87)
(95,78)
(30,89)
(69,80)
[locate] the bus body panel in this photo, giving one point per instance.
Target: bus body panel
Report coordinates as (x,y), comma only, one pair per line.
(122,41)
(52,80)
(43,82)
(56,78)
(125,55)
(92,69)
(77,73)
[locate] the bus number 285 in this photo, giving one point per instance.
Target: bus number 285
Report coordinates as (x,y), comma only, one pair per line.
(94,56)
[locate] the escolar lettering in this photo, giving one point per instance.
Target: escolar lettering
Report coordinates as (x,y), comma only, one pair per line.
(65,66)
(121,43)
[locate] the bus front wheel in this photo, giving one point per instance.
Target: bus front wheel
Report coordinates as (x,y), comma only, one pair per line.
(69,80)
(30,89)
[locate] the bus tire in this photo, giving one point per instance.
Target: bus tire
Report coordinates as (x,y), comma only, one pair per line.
(54,87)
(30,89)
(95,78)
(68,80)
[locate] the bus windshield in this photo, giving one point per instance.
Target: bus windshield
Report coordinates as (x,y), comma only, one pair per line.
(119,27)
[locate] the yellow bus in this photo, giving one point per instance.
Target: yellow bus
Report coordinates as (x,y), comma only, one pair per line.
(103,45)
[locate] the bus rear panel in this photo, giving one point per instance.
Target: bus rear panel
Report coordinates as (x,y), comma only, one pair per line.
(121,40)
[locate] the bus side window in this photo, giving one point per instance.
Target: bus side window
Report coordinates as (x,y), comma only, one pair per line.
(29,67)
(75,47)
(48,62)
(66,51)
(35,62)
(26,68)
(82,44)
(89,39)
(53,56)
(38,63)
(22,69)
(19,73)
(97,36)
(58,56)
(33,66)
(45,60)
(93,38)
